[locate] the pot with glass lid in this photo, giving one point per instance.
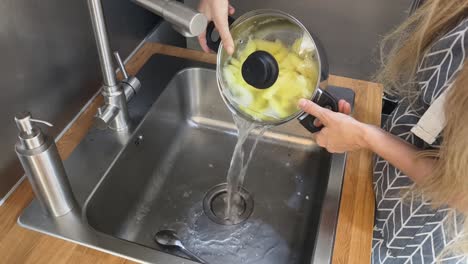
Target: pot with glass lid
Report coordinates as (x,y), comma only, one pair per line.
(276,62)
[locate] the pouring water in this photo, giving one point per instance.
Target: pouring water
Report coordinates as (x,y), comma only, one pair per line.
(239,164)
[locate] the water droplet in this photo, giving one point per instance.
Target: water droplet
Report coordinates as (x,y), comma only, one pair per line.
(138,140)
(298,193)
(307,197)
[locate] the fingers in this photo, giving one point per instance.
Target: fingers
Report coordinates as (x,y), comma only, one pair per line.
(217,11)
(222,25)
(344,107)
(315,110)
(231,10)
(341,106)
(202,42)
(322,114)
(347,108)
(317,122)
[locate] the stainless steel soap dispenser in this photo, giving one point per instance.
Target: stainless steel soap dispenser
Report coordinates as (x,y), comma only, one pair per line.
(43,166)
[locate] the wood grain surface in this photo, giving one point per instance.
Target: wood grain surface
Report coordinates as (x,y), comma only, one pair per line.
(353,237)
(353,240)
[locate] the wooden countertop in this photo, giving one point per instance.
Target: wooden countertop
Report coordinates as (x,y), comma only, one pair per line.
(355,223)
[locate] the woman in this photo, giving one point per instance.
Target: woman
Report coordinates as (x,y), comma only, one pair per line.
(421,166)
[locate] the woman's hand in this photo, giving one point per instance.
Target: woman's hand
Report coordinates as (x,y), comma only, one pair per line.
(341,132)
(217,11)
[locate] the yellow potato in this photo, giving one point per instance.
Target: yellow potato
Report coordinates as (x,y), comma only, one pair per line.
(236,89)
(271,47)
(280,107)
(259,104)
(253,114)
(304,87)
(308,68)
(280,85)
(285,105)
(296,47)
(235,63)
(281,54)
(297,76)
(291,61)
(250,47)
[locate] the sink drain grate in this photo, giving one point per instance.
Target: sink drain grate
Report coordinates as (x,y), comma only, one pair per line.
(214,205)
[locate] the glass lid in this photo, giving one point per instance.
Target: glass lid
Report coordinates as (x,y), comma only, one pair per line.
(275,63)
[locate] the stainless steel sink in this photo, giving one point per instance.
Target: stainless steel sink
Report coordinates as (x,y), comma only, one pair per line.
(157,176)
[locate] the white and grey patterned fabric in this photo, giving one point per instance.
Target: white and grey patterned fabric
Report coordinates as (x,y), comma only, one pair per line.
(409,230)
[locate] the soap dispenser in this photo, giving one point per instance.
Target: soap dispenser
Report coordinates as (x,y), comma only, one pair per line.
(43,166)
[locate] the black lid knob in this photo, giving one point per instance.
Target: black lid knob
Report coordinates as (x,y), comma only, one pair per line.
(260,69)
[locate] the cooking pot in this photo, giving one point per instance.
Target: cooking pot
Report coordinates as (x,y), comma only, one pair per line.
(276,62)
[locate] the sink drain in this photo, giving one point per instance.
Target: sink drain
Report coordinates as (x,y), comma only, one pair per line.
(214,205)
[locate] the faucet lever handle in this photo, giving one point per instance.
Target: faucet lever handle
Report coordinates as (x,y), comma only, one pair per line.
(121,65)
(131,84)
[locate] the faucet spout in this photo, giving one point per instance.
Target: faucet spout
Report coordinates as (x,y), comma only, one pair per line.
(102,42)
(185,20)
(114,114)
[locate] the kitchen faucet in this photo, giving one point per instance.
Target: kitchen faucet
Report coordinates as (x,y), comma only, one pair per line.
(114,113)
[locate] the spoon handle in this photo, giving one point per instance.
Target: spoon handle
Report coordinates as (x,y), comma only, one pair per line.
(192,256)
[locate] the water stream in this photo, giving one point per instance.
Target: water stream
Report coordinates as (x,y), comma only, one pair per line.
(238,166)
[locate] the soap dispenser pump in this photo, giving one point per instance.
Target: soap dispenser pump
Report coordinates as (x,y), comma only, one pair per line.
(43,166)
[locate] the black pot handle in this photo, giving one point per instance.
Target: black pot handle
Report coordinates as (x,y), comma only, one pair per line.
(214,45)
(324,99)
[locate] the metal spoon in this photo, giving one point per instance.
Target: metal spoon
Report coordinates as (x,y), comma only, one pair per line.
(169,238)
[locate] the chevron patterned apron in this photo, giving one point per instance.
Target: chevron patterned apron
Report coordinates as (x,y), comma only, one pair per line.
(410,230)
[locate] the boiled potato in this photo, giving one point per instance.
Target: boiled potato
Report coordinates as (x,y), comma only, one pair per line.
(235,63)
(297,77)
(281,54)
(291,61)
(296,47)
(249,48)
(271,47)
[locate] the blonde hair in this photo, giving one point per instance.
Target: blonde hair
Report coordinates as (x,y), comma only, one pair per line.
(401,53)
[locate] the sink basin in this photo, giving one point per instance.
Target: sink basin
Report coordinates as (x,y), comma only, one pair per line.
(162,169)
(181,150)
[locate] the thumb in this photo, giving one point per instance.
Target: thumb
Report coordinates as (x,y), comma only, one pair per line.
(315,110)
(231,10)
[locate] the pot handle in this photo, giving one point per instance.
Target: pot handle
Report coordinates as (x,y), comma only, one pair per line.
(324,99)
(214,44)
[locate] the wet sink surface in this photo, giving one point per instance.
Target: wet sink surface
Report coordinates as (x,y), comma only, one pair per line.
(182,149)
(130,185)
